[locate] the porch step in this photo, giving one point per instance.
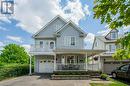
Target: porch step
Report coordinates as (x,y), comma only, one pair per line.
(70,77)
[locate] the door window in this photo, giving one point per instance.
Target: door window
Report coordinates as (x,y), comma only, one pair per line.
(70,59)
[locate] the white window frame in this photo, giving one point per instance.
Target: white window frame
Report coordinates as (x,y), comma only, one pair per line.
(73,41)
(68,41)
(112,47)
(41,46)
(50,46)
(113,33)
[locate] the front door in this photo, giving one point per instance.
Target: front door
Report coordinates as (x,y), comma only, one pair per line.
(71,59)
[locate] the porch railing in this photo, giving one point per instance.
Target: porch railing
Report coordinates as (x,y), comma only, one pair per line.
(94,67)
(77,67)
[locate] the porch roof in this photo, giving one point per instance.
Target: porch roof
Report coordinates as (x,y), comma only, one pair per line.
(89,52)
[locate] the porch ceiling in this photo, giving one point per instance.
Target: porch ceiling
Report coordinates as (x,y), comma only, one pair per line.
(79,51)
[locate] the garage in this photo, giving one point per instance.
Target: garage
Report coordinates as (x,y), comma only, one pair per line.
(109,66)
(46,66)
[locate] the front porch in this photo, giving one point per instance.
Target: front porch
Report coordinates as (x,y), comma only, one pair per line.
(69,62)
(65,60)
(75,60)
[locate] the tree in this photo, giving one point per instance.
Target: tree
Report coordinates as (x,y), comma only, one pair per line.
(116,13)
(13,53)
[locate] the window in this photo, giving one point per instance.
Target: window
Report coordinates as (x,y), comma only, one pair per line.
(41,44)
(69,41)
(124,68)
(72,40)
(112,48)
(113,35)
(51,45)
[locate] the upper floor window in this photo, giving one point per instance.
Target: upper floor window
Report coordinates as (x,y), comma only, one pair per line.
(51,45)
(113,35)
(41,44)
(72,40)
(69,41)
(112,48)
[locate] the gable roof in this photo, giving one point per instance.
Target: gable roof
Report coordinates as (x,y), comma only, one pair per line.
(58,16)
(76,27)
(110,32)
(102,38)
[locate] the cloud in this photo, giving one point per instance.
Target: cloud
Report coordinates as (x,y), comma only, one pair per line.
(15,38)
(1,46)
(75,11)
(89,38)
(126,29)
(87,10)
(1,43)
(33,14)
(103,32)
(3,29)
(89,41)
(27,47)
(4,19)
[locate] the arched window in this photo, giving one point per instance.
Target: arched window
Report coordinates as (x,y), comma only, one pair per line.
(51,45)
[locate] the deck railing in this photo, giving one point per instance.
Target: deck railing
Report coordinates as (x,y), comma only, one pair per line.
(38,48)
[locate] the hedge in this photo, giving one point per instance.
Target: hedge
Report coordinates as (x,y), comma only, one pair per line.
(92,73)
(13,70)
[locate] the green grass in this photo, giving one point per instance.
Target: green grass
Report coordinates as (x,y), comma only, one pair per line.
(115,83)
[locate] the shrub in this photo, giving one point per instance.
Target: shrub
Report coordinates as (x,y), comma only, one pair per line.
(92,73)
(13,70)
(104,76)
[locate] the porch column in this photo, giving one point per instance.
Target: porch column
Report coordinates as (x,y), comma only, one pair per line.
(30,65)
(55,62)
(86,63)
(99,62)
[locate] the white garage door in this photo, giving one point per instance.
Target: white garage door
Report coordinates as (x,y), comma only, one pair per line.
(46,66)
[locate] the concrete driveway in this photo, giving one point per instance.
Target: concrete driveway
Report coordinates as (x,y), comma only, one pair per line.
(42,80)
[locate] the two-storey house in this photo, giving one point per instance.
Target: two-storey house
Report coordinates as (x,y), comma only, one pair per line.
(108,43)
(58,46)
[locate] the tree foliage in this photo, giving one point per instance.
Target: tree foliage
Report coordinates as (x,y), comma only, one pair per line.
(116,13)
(124,51)
(13,53)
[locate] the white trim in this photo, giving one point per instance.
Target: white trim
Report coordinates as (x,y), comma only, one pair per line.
(54,45)
(67,40)
(58,16)
(66,56)
(76,27)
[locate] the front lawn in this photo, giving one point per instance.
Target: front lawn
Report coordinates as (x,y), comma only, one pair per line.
(115,83)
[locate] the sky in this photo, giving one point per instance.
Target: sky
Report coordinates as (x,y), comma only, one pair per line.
(31,15)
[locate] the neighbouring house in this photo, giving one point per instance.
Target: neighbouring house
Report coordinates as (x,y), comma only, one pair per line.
(107,42)
(59,46)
